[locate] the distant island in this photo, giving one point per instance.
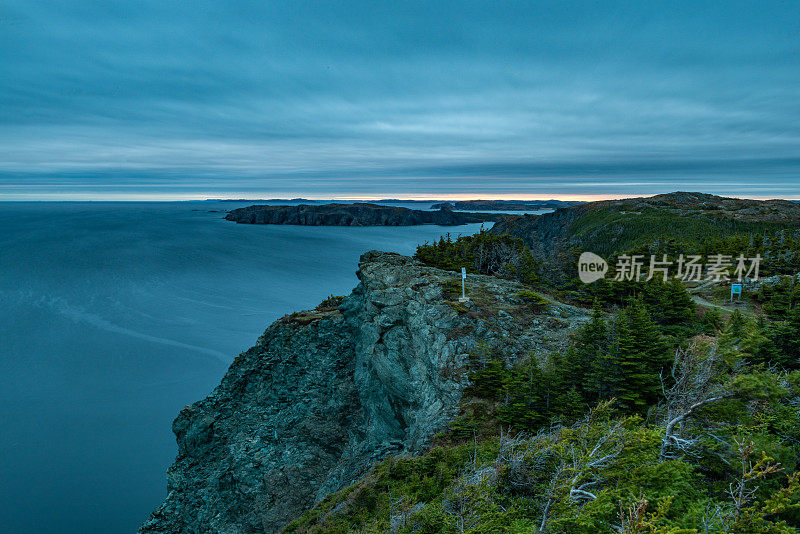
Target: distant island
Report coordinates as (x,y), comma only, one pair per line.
(353,215)
(505,205)
(322,201)
(461,205)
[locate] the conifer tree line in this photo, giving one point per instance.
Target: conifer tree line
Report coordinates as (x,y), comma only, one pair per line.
(661,417)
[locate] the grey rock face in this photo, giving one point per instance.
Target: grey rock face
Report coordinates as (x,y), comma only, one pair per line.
(324,394)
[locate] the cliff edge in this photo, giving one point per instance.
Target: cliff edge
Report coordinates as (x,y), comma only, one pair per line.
(325,393)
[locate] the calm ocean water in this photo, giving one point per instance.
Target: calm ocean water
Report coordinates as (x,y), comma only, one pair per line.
(113,316)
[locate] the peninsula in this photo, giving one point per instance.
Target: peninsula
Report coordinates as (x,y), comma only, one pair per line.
(353,215)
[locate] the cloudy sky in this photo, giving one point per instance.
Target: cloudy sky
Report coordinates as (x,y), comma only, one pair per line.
(195,99)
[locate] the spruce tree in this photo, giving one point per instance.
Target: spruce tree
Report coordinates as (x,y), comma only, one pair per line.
(598,367)
(671,306)
(786,338)
(524,401)
(736,325)
(757,346)
(642,355)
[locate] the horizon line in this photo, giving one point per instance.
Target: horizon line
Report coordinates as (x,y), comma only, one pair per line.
(126,197)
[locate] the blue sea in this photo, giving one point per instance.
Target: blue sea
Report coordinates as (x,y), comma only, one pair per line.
(113,316)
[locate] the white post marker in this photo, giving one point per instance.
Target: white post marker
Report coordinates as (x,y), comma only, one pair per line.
(736,289)
(464,297)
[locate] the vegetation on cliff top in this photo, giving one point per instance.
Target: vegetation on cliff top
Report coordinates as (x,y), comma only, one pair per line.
(634,429)
(481,253)
(662,417)
(677,223)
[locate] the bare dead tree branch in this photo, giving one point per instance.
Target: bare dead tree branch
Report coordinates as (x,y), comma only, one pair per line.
(695,385)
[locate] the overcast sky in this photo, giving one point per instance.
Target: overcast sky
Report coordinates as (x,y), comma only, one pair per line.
(194,99)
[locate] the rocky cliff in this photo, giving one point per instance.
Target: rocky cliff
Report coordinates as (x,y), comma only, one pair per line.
(352,215)
(325,393)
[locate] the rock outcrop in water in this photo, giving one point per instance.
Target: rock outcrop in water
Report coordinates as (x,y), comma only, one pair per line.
(352,215)
(325,393)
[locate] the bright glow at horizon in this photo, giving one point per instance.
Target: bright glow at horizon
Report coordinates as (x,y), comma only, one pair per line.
(155,197)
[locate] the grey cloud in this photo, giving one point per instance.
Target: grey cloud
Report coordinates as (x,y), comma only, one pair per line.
(262,96)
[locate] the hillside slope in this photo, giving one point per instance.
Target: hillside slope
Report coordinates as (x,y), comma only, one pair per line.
(613,226)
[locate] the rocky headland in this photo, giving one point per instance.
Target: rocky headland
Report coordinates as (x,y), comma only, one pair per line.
(326,393)
(359,214)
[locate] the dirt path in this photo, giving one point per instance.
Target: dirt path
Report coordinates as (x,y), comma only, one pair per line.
(743,308)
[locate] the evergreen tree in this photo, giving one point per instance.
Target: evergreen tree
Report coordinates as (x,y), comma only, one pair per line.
(599,368)
(571,406)
(524,403)
(711,321)
(489,380)
(671,306)
(641,356)
(757,346)
(736,325)
(779,299)
(786,337)
(587,366)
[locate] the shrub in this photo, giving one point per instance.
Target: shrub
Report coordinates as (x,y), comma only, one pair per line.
(331,303)
(451,289)
(481,253)
(534,300)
